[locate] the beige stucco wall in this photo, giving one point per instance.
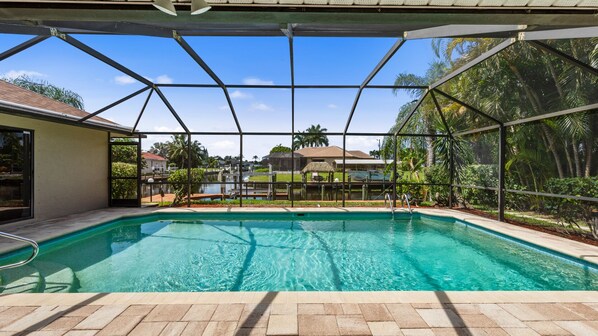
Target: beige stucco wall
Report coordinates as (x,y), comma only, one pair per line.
(70,167)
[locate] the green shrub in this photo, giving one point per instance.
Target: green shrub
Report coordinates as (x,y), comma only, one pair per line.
(124,189)
(569,212)
(440,175)
(280,149)
(481,176)
(262,170)
(179,182)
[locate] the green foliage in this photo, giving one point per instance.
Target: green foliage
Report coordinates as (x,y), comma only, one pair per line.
(262,170)
(124,153)
(49,90)
(280,149)
(178,151)
(313,136)
(569,212)
(179,180)
(438,174)
(160,148)
(124,189)
(481,176)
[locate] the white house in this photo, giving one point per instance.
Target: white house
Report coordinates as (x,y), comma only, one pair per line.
(153,163)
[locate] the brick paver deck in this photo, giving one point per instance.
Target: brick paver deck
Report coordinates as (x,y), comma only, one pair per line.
(303,313)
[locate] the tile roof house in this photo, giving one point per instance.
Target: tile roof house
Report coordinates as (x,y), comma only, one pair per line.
(64,166)
(154,163)
(329,154)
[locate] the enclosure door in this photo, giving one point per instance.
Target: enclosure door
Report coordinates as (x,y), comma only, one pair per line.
(125,172)
(16,174)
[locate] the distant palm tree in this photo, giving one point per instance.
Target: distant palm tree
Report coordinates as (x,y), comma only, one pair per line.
(178,151)
(49,90)
(313,136)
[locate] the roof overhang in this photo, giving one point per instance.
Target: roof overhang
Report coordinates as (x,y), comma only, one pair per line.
(330,18)
(47,115)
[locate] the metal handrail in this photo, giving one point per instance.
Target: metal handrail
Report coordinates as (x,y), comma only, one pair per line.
(31,242)
(389,198)
(408,205)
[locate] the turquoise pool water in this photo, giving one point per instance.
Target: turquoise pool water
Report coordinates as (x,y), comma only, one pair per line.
(313,252)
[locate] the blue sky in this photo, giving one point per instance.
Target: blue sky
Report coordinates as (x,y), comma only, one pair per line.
(236,60)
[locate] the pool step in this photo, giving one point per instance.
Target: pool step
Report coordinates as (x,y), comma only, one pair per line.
(24,279)
(37,277)
(56,278)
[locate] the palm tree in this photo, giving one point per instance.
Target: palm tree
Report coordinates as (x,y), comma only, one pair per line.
(178,151)
(426,120)
(49,90)
(313,136)
(539,83)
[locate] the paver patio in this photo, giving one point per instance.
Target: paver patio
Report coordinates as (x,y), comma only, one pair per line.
(302,313)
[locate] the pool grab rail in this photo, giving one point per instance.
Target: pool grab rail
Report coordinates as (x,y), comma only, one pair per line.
(31,242)
(406,197)
(392,208)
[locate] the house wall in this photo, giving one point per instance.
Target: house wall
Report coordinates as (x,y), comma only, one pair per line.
(329,160)
(70,167)
(159,165)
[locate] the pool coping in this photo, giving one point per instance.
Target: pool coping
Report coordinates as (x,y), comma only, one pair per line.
(44,231)
(431,297)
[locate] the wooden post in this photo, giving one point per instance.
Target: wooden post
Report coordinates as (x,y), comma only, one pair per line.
(273,187)
(349,179)
(304,187)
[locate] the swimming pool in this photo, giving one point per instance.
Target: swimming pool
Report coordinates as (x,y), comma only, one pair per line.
(294,252)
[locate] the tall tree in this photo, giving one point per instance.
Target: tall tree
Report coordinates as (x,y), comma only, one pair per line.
(178,151)
(160,148)
(313,136)
(426,119)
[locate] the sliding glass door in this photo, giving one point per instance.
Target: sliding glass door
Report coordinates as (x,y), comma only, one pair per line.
(16,174)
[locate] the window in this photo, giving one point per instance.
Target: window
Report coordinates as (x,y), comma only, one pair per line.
(16,178)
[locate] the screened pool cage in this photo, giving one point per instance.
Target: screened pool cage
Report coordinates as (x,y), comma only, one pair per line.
(453,113)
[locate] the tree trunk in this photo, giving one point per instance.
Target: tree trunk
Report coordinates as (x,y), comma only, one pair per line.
(576,159)
(430,149)
(588,147)
(555,79)
(533,176)
(569,161)
(536,104)
(552,146)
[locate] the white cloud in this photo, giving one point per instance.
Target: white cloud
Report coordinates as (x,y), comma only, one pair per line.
(222,145)
(12,74)
(224,108)
(260,107)
(164,79)
(332,106)
(362,143)
(240,95)
(168,129)
(124,80)
(257,81)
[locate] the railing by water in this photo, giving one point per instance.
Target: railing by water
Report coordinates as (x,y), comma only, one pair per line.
(392,207)
(31,242)
(406,197)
